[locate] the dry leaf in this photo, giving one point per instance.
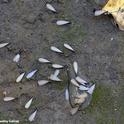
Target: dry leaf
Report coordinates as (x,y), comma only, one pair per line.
(116,7)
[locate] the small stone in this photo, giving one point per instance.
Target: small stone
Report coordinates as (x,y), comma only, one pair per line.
(112,38)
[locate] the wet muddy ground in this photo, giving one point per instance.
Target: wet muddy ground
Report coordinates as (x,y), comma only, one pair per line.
(30,29)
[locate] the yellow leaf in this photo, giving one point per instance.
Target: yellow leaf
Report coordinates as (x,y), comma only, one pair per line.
(114,5)
(116,8)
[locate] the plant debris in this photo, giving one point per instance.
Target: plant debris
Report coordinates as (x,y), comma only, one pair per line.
(3,45)
(68,47)
(19,78)
(31,74)
(75,66)
(55,49)
(6,99)
(28,104)
(42,60)
(32,116)
(62,22)
(67,95)
(80,80)
(16,58)
(42,82)
(50,7)
(77,90)
(57,66)
(114,8)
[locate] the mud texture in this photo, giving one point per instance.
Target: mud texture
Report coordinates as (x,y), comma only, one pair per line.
(30,29)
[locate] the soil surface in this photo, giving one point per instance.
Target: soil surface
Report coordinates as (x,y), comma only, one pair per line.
(30,29)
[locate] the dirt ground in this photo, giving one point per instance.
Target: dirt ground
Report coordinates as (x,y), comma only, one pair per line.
(30,29)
